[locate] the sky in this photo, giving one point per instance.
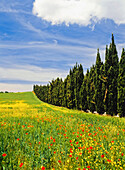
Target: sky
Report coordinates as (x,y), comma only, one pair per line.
(41,40)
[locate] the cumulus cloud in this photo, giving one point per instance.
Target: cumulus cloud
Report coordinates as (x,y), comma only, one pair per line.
(82,12)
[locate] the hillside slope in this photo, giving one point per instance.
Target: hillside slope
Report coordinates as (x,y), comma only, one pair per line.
(36,135)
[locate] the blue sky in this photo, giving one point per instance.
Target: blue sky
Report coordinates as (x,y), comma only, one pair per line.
(41,39)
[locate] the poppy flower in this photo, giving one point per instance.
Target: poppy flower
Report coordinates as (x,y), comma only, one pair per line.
(88,166)
(70,155)
(4,154)
(122,154)
(18,139)
(102,156)
(21,165)
(108,160)
(59,161)
(43,168)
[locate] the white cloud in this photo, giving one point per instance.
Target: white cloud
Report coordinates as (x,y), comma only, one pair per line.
(31,73)
(82,12)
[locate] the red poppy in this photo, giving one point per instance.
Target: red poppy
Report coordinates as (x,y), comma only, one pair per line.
(54,140)
(88,166)
(70,155)
(108,160)
(21,165)
(122,154)
(43,168)
(84,169)
(26,133)
(18,139)
(102,156)
(4,154)
(77,158)
(77,142)
(70,141)
(59,161)
(54,152)
(79,148)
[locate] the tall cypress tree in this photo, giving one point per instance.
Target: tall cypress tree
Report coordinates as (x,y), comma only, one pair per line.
(98,85)
(121,86)
(111,70)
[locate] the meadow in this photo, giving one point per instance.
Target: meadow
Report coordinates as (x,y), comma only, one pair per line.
(35,135)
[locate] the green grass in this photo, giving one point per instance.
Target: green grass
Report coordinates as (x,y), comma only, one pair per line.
(35,135)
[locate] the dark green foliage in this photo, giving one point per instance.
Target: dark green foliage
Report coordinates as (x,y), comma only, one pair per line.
(101,89)
(111,73)
(121,86)
(98,85)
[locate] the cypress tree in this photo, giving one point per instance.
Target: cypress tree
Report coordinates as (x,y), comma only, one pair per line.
(121,86)
(92,89)
(111,71)
(83,96)
(98,85)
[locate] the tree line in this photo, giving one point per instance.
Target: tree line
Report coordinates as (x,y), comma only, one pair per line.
(101,89)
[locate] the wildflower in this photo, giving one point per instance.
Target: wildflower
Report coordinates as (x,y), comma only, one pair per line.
(54,152)
(122,154)
(59,161)
(77,142)
(108,160)
(70,141)
(26,133)
(18,139)
(21,165)
(77,158)
(70,155)
(88,166)
(102,156)
(4,154)
(43,168)
(54,140)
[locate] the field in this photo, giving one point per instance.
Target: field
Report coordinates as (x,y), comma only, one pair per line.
(35,135)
